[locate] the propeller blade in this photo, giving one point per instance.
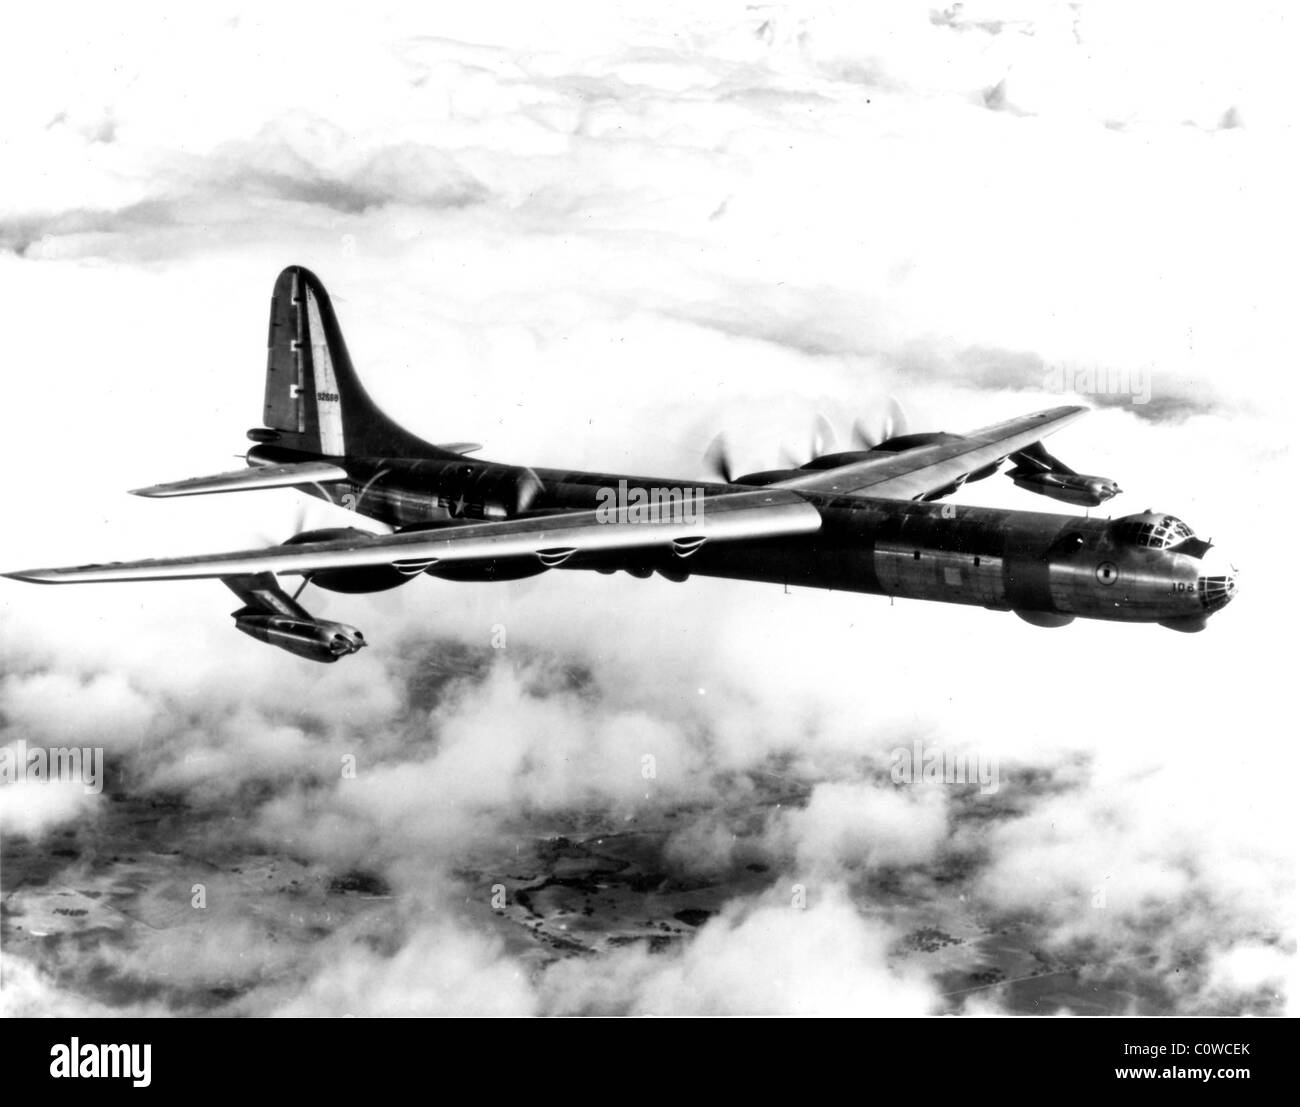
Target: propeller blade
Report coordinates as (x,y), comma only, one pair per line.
(895,418)
(299,524)
(529,487)
(717,459)
(892,423)
(863,436)
(823,439)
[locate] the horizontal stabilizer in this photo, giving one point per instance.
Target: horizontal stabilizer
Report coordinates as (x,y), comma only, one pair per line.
(243,480)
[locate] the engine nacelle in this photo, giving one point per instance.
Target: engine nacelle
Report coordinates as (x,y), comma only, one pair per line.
(364,578)
(479,490)
(901,442)
(488,570)
(770,476)
(1070,488)
(898,444)
(314,639)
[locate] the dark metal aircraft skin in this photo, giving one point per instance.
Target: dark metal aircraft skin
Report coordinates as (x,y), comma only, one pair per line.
(863,520)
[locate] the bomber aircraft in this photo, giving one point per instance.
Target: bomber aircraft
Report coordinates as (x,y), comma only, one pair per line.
(861,520)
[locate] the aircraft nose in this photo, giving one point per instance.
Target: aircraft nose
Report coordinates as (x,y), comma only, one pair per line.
(1216,583)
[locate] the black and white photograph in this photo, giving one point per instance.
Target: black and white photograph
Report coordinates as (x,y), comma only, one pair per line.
(648,510)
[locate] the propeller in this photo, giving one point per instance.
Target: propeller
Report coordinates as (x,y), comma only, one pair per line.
(717,459)
(893,422)
(299,525)
(823,436)
(302,512)
(823,440)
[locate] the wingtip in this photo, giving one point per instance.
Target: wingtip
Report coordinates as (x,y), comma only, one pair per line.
(29,576)
(1065,411)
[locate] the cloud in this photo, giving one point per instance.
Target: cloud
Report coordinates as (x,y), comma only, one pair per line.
(1126,865)
(865,825)
(440,970)
(761,958)
(33,807)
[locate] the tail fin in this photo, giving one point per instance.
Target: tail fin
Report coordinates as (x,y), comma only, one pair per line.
(314,401)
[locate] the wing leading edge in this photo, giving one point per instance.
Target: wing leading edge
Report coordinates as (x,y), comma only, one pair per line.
(552,539)
(928,469)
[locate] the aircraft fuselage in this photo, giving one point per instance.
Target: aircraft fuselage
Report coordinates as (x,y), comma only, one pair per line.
(1046,567)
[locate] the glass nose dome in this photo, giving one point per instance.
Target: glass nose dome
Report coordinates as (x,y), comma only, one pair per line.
(1152,530)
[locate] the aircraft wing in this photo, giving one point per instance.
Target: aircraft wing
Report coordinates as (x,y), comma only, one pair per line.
(913,474)
(552,539)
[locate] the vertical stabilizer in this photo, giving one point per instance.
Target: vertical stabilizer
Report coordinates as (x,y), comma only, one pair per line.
(314,401)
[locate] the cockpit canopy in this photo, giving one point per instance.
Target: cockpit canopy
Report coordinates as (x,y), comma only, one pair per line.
(1152,530)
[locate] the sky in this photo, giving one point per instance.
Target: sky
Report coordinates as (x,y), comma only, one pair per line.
(595,237)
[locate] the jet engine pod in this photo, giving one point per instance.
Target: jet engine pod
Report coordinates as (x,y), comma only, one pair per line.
(1071,488)
(314,639)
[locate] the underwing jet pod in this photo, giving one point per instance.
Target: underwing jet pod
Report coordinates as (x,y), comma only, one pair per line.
(1038,471)
(271,616)
(864,520)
